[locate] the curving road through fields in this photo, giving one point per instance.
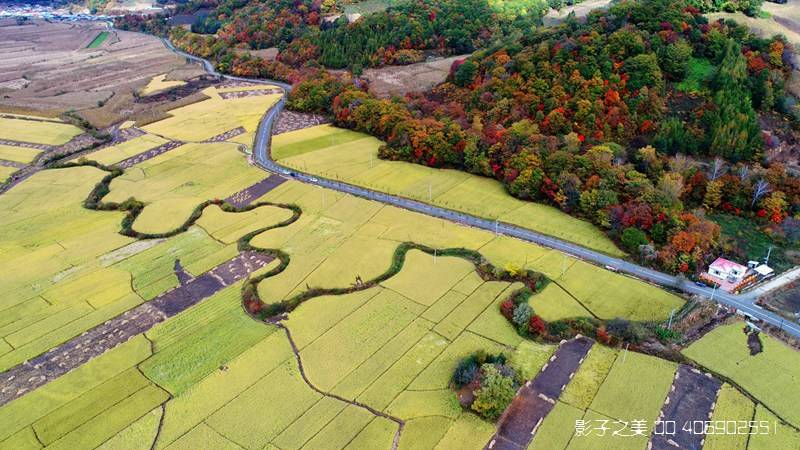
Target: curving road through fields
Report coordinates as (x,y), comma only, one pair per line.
(745,303)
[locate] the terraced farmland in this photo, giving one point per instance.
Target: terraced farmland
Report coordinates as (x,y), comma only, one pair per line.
(366,369)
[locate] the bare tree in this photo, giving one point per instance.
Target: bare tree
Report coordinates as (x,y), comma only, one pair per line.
(760,189)
(744,172)
(681,163)
(717,168)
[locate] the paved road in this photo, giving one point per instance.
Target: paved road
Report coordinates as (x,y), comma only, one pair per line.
(743,302)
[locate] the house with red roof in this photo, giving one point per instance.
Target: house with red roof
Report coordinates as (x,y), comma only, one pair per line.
(729,275)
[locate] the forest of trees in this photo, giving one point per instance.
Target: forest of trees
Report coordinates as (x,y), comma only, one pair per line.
(587,117)
(402,34)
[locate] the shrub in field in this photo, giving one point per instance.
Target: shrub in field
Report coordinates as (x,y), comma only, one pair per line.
(603,336)
(522,315)
(497,391)
(466,372)
(507,309)
(536,326)
(490,383)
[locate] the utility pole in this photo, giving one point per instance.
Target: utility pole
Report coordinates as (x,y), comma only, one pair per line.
(671,315)
(714,291)
(625,355)
(769,252)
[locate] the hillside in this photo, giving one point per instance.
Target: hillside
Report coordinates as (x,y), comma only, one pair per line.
(643,120)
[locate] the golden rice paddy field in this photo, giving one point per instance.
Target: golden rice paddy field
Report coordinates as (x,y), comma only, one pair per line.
(160,83)
(352,157)
(202,120)
(212,377)
(6,172)
(35,132)
(18,154)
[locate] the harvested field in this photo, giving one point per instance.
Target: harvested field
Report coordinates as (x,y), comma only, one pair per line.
(400,80)
(292,121)
(782,19)
(691,399)
(58,72)
(268,54)
(537,398)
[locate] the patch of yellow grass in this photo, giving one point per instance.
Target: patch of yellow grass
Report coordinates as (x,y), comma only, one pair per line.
(256,87)
(160,83)
(203,120)
(6,172)
(35,132)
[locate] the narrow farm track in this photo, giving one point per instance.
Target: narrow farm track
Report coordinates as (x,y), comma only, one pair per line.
(261,152)
(537,397)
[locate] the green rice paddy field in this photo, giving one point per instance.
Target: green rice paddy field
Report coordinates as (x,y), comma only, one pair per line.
(98,40)
(352,157)
(212,377)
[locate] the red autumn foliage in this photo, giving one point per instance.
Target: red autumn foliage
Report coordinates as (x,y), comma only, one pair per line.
(507,309)
(536,326)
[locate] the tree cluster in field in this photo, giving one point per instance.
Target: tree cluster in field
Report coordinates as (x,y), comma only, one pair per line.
(518,311)
(491,381)
(750,7)
(587,117)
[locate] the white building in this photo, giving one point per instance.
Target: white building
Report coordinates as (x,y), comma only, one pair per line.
(726,270)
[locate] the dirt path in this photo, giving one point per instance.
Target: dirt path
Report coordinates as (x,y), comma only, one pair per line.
(537,398)
(80,350)
(691,398)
